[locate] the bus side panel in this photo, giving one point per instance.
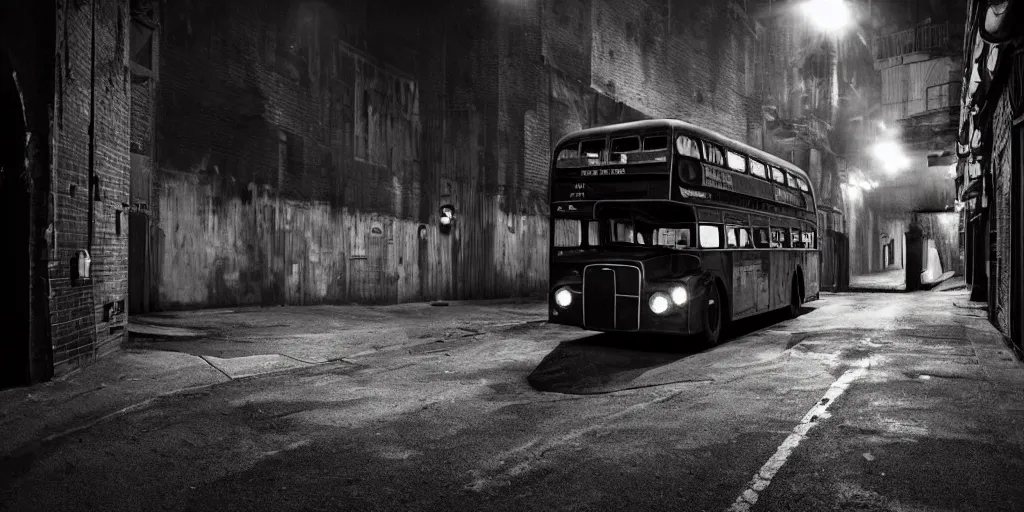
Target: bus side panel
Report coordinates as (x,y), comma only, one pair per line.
(717,262)
(783,263)
(811,268)
(749,283)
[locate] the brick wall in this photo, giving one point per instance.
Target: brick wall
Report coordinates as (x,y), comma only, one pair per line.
(81,325)
(1000,207)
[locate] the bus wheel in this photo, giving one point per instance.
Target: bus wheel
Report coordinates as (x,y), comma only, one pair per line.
(712,318)
(794,298)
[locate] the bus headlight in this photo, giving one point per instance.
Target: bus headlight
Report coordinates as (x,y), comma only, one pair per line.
(658,303)
(679,296)
(563,297)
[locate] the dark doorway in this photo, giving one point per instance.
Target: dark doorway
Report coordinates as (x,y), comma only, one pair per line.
(1017,237)
(15,259)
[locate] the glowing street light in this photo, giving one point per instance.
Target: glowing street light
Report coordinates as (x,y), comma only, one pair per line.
(829,15)
(891,156)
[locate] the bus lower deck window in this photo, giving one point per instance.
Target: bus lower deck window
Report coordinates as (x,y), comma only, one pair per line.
(710,236)
(568,233)
(762,240)
(779,238)
(808,239)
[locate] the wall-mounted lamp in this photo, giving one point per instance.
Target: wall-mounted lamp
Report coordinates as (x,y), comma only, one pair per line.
(81,264)
(447,218)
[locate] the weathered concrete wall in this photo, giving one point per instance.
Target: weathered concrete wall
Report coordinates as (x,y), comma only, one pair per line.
(302,146)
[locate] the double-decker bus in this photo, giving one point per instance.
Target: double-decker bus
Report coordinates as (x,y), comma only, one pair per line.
(660,226)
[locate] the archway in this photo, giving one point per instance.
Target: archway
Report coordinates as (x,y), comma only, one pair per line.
(15,259)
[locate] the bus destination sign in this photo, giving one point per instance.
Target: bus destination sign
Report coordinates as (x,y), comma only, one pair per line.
(618,171)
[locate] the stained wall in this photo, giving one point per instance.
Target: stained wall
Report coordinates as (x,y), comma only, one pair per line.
(303,149)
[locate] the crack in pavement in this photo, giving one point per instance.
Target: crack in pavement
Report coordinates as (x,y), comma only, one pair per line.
(535,450)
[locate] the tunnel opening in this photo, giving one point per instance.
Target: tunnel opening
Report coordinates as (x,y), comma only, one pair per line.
(15,259)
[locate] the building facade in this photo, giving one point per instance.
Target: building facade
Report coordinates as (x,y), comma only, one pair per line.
(65,89)
(301,152)
(990,179)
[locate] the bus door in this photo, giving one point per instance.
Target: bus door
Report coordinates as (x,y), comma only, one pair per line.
(749,268)
(761,237)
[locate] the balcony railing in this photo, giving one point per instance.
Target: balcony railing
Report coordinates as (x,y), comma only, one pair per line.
(936,37)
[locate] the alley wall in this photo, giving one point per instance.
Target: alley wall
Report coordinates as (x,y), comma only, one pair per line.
(303,149)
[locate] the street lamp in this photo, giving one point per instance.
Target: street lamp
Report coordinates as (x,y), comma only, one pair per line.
(829,15)
(891,156)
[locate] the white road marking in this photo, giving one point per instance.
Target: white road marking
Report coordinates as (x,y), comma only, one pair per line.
(819,412)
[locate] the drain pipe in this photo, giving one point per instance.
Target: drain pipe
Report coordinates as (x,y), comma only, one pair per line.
(93,185)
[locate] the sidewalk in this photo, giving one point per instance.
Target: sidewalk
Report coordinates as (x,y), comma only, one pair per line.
(183,352)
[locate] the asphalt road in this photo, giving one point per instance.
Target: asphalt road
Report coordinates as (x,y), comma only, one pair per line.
(865,402)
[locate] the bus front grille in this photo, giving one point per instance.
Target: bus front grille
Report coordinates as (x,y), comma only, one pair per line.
(611,297)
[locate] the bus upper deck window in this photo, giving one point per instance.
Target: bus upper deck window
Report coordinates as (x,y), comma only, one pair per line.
(656,143)
(686,146)
(737,162)
(710,236)
(803,185)
(778,175)
(568,156)
(758,169)
(623,145)
(713,154)
(592,151)
(790,180)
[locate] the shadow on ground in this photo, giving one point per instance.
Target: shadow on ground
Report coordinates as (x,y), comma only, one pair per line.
(606,363)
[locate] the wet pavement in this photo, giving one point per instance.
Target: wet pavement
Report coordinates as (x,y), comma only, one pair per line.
(865,402)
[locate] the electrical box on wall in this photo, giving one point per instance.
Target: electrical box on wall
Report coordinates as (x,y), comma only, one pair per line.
(112,310)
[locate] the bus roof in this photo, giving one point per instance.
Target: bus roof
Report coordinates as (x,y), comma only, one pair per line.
(704,133)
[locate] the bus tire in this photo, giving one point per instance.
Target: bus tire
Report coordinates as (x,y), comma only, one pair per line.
(794,298)
(712,319)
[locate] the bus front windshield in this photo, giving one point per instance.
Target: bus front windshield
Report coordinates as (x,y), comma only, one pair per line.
(633,232)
